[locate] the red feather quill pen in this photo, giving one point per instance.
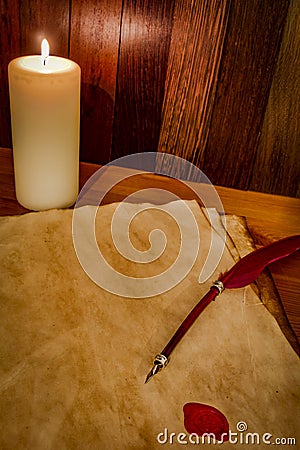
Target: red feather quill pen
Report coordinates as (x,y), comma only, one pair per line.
(241,274)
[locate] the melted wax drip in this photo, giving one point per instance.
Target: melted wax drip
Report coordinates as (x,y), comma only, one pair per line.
(201,419)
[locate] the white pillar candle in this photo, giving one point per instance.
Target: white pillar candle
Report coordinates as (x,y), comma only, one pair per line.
(45,111)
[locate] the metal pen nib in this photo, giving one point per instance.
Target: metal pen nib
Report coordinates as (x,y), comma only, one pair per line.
(159,362)
(152,372)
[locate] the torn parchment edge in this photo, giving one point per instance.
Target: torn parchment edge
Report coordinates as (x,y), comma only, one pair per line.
(264,286)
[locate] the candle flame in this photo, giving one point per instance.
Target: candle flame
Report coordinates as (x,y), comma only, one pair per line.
(45,51)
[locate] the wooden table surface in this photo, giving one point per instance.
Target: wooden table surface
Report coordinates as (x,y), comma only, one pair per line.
(269,217)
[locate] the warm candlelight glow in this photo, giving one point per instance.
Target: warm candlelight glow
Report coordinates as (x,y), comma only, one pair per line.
(44,51)
(45,104)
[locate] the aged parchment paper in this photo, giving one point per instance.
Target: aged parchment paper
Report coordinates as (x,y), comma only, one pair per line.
(74,357)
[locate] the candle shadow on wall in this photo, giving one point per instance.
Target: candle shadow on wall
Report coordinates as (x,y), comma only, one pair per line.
(97,109)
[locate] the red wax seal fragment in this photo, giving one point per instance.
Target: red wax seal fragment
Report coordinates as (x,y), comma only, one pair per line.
(201,419)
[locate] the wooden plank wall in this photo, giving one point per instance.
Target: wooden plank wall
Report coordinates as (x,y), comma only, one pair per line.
(277,163)
(94,44)
(143,59)
(192,79)
(212,81)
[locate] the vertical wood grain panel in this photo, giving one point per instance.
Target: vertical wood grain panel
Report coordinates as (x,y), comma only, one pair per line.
(42,18)
(247,67)
(94,42)
(144,48)
(277,164)
(205,97)
(9,49)
(196,48)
